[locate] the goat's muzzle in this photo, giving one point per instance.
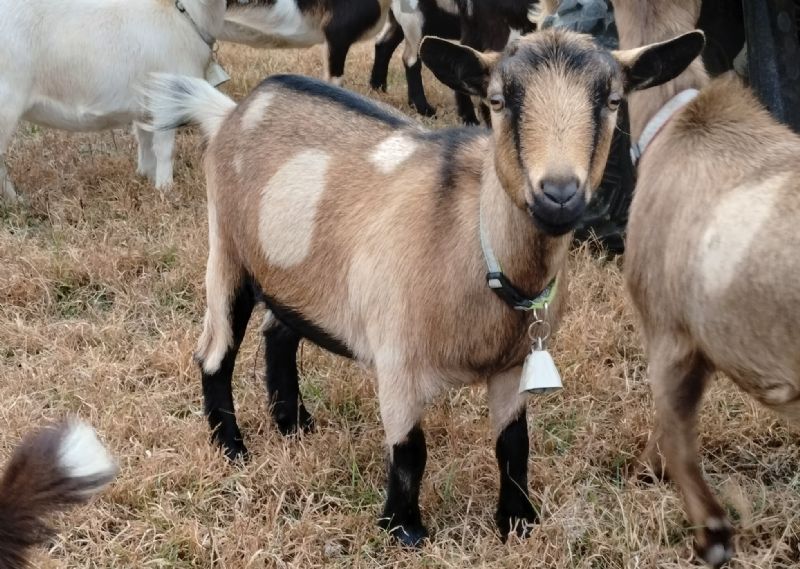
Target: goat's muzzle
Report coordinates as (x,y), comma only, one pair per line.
(557,205)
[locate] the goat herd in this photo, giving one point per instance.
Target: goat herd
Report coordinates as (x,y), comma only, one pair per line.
(383,241)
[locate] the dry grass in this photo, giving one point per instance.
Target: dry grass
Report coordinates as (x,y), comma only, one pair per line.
(101,297)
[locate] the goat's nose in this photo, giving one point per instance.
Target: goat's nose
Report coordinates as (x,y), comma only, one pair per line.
(559,190)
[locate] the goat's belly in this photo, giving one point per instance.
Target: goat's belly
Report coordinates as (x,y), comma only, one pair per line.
(55,114)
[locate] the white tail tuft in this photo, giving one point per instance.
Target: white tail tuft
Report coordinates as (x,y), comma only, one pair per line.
(82,455)
(175,100)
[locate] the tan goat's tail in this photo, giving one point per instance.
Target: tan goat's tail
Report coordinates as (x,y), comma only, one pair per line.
(51,469)
(176,100)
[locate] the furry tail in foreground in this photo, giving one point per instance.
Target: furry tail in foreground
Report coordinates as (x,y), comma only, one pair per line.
(51,469)
(175,100)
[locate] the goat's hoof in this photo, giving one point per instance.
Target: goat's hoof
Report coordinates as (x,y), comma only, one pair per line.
(713,542)
(378,85)
(408,535)
(233,448)
(424,109)
(518,519)
(292,423)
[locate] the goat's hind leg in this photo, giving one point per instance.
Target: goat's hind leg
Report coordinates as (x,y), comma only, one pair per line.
(507,409)
(679,377)
(288,411)
(230,304)
(146,158)
(387,42)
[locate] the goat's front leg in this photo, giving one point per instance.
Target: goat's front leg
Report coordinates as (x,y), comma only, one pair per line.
(679,376)
(507,409)
(387,42)
(401,412)
(163,146)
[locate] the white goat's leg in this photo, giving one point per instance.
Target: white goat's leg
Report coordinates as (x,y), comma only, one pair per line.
(401,412)
(146,165)
(507,410)
(163,146)
(10,114)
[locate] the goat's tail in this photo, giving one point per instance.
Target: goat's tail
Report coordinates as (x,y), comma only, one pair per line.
(51,469)
(176,100)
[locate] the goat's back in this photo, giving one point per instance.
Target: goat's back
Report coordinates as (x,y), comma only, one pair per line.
(713,240)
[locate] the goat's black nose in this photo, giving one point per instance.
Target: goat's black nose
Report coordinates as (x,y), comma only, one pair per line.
(559,190)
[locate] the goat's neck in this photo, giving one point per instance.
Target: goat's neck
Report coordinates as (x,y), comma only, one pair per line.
(528,257)
(208,15)
(641,22)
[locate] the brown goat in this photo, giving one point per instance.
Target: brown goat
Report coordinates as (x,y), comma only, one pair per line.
(360,230)
(711,261)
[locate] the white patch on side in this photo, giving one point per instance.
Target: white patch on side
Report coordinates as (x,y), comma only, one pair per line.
(450,6)
(254,113)
(735,224)
(238,164)
(392,152)
(289,208)
(81,454)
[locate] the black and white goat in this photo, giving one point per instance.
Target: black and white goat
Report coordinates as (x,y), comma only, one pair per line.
(362,231)
(50,470)
(485,25)
(74,65)
(305,23)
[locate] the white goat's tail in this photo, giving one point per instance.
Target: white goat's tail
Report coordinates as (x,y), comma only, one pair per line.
(175,100)
(51,469)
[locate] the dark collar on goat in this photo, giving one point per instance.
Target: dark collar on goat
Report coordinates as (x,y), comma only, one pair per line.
(210,40)
(659,121)
(502,286)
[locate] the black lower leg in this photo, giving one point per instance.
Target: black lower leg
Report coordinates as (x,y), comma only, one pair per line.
(416,90)
(384,49)
(466,110)
(287,407)
(514,509)
(217,393)
(401,515)
(337,55)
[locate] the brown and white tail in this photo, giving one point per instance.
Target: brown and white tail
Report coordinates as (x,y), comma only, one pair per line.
(51,469)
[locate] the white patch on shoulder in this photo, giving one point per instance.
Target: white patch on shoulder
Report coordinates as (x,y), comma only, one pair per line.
(289,208)
(254,113)
(81,455)
(392,152)
(735,223)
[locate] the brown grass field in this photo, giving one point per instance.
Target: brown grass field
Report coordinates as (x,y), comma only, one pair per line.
(101,300)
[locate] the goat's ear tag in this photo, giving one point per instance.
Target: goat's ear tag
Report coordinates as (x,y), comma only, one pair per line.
(539,374)
(215,74)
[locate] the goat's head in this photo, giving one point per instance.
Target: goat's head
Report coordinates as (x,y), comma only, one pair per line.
(554,97)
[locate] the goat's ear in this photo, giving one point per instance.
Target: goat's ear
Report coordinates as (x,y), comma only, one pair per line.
(459,67)
(657,63)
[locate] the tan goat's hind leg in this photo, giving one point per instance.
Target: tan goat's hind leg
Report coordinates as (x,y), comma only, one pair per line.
(230,302)
(679,377)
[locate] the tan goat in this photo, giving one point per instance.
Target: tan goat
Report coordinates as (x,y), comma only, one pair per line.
(711,260)
(360,230)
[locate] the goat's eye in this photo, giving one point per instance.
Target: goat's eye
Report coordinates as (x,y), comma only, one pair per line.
(497,102)
(614,102)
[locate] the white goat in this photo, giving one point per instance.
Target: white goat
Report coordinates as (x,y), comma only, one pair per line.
(74,65)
